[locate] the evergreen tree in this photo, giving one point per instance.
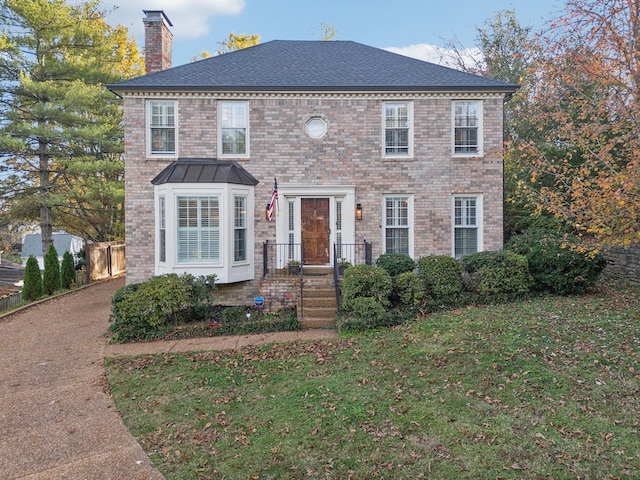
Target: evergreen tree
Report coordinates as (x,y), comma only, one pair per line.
(67,271)
(51,278)
(32,283)
(61,132)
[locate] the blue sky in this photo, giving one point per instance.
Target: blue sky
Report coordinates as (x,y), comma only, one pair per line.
(201,24)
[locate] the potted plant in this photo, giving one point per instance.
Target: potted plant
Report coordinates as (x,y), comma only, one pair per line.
(343,265)
(294,267)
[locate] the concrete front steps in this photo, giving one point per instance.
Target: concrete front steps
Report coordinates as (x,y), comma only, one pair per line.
(318,300)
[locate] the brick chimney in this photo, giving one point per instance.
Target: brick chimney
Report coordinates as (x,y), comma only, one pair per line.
(157,41)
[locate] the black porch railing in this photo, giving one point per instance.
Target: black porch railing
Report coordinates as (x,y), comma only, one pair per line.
(280,259)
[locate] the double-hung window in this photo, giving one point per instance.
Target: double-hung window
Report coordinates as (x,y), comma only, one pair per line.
(398,129)
(467,216)
(161,128)
(467,128)
(398,224)
(198,229)
(233,134)
(162,229)
(239,229)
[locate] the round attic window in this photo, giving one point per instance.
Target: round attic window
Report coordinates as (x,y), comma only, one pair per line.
(316,127)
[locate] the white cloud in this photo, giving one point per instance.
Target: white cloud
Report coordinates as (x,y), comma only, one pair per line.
(438,55)
(189,17)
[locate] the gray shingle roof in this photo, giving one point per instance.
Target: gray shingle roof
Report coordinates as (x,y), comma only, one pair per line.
(204,170)
(283,65)
(32,244)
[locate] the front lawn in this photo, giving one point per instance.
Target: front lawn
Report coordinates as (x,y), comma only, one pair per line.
(547,388)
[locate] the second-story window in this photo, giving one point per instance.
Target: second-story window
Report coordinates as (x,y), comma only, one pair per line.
(161,128)
(398,124)
(467,128)
(233,120)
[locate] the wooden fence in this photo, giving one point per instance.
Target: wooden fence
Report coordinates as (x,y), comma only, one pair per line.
(105,260)
(10,301)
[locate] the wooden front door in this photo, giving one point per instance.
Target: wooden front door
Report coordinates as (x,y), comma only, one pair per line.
(315,231)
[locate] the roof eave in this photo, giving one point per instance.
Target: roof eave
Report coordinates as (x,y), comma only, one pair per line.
(505,89)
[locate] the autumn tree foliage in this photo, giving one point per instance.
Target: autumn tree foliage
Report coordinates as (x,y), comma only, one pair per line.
(580,149)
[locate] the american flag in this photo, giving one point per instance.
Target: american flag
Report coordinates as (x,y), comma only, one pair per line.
(274,199)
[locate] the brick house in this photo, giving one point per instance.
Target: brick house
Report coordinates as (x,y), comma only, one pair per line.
(373,152)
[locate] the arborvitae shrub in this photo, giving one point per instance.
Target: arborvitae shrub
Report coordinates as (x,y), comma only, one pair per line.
(559,264)
(51,278)
(396,263)
(32,282)
(67,271)
(442,277)
(497,276)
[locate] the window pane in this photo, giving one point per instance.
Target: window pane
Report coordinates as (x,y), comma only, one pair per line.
(240,229)
(162,128)
(466,241)
(466,121)
(397,240)
(397,225)
(198,229)
(396,124)
(233,127)
(163,237)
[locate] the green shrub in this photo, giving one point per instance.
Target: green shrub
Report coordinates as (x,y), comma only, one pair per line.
(51,277)
(151,309)
(365,313)
(234,315)
(32,281)
(497,276)
(67,271)
(396,263)
(410,289)
(365,281)
(442,278)
(558,264)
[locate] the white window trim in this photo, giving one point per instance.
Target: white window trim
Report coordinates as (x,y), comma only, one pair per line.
(479,220)
(480,152)
(226,270)
(151,154)
(410,214)
(246,154)
(409,154)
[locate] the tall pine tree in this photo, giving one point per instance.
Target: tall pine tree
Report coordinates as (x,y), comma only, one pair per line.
(60,130)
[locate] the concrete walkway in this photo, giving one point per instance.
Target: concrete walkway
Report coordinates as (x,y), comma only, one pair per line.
(57,419)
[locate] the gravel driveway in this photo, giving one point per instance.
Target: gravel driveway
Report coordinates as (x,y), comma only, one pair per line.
(56,419)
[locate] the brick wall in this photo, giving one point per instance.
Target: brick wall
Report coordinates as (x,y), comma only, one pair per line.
(349,154)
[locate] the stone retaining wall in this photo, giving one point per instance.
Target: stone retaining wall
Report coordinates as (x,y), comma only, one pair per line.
(623,264)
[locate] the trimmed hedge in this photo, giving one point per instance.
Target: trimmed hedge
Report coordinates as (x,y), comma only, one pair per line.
(151,309)
(497,276)
(365,281)
(442,278)
(558,264)
(396,263)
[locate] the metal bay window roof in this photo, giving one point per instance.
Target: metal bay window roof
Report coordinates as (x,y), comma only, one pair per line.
(204,170)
